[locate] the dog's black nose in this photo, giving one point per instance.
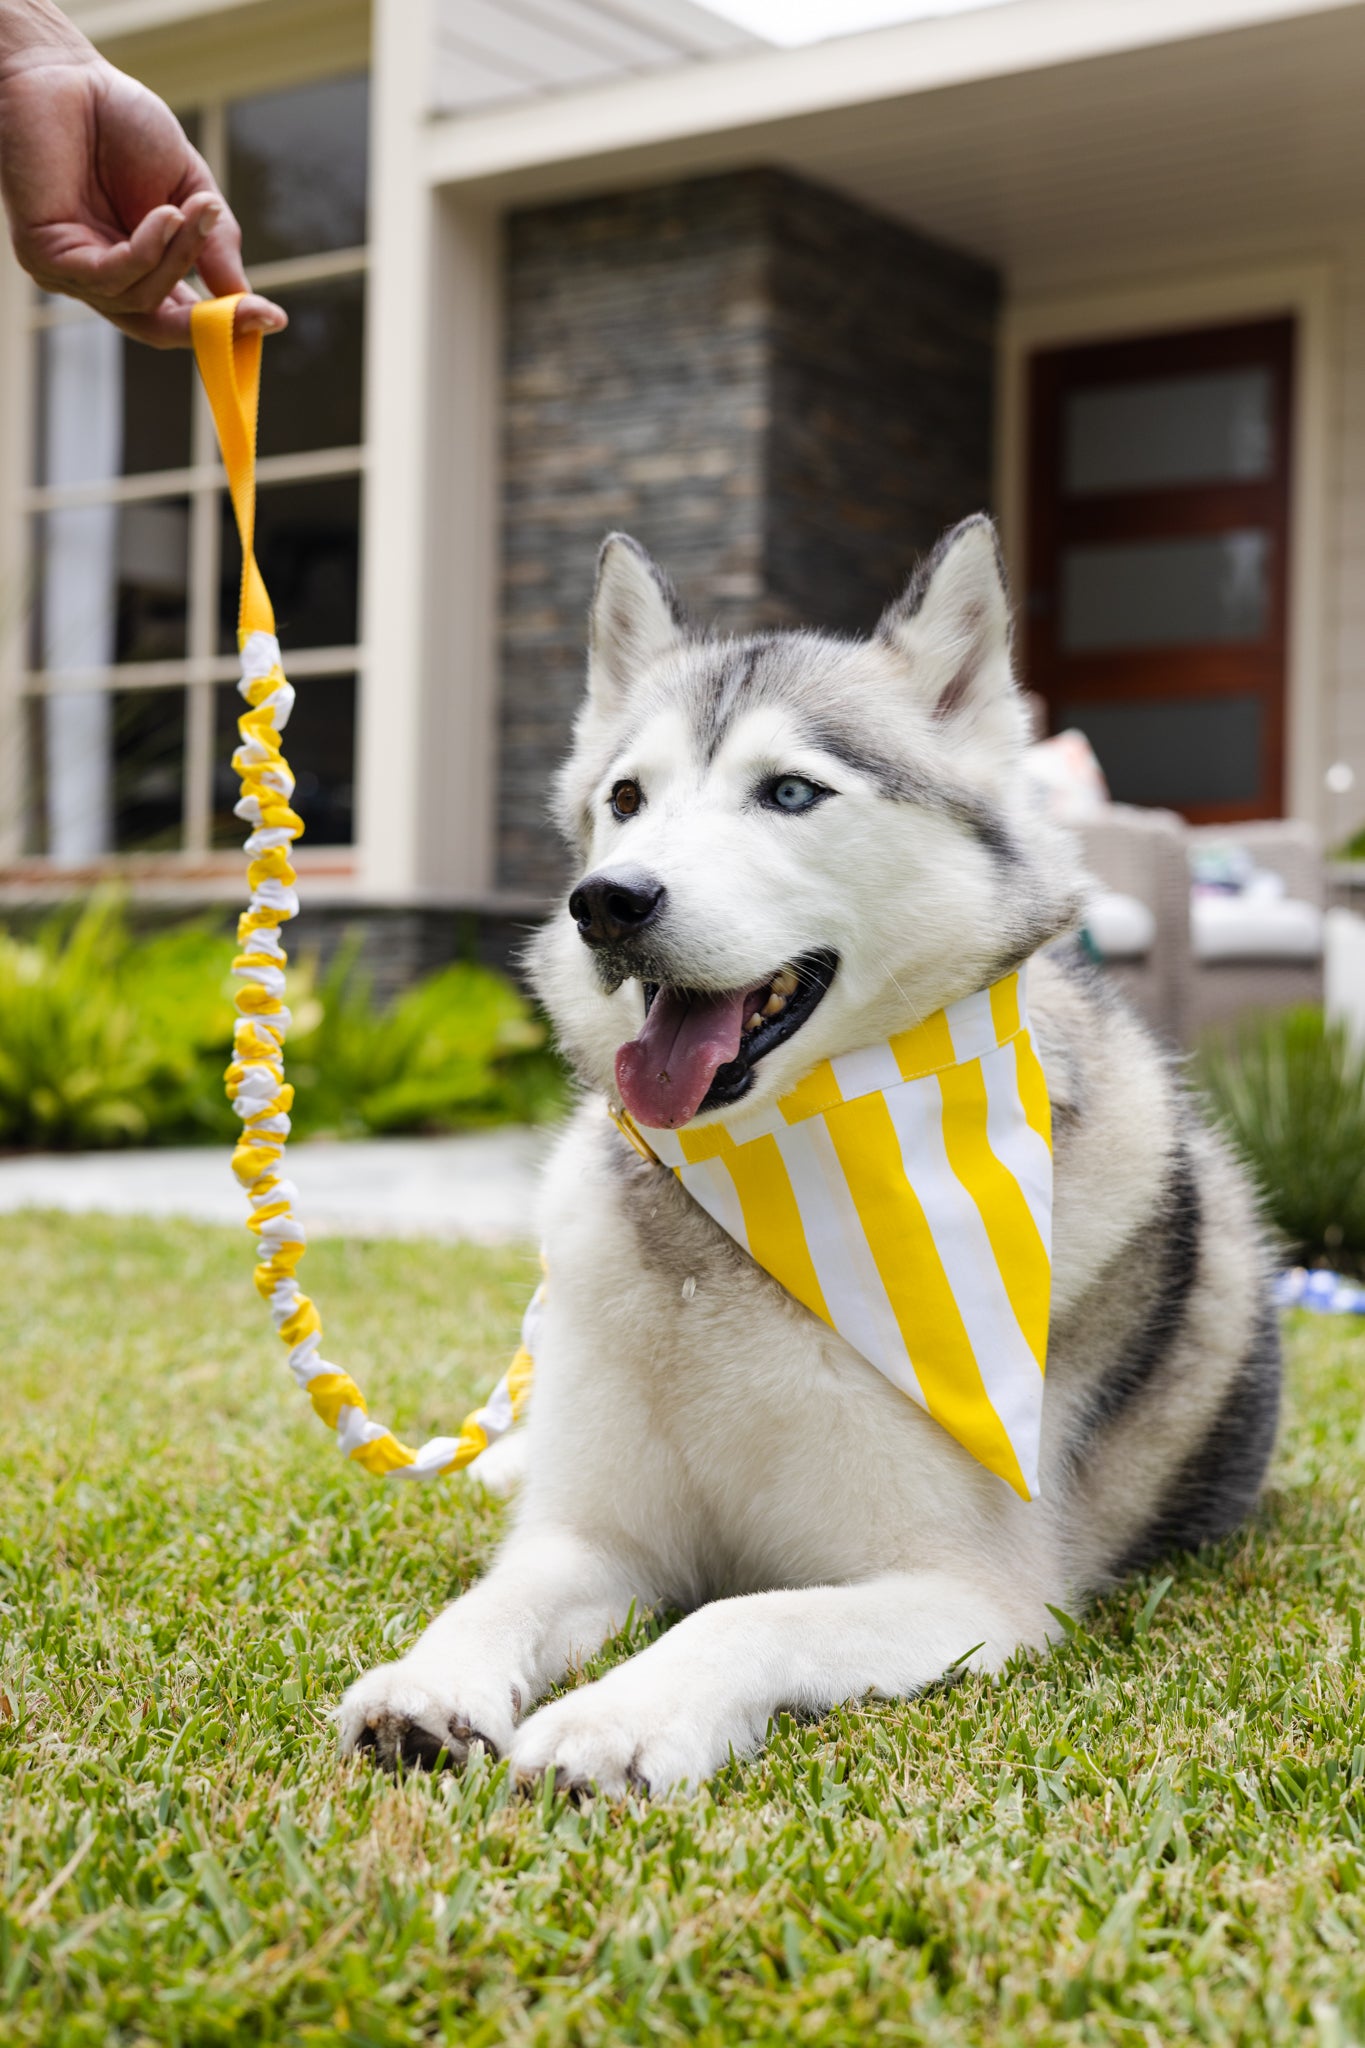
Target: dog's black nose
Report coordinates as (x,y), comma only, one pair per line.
(610,908)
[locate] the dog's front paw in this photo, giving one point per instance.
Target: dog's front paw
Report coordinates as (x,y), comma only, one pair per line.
(405,1714)
(620,1735)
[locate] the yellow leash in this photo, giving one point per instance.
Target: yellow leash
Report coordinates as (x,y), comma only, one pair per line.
(230,366)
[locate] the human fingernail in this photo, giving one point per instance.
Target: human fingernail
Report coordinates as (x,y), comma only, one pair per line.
(210,217)
(170,227)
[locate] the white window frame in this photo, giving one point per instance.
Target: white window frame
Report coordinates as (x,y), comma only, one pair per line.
(204,483)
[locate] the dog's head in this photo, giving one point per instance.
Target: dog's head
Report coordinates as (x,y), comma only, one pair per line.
(792,845)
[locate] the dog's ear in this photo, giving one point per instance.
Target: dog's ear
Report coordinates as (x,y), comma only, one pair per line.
(635,618)
(951,630)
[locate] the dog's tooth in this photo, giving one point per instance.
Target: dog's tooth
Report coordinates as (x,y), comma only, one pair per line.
(753,1022)
(774,1005)
(784,984)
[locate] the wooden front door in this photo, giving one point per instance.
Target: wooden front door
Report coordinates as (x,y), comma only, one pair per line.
(1157,561)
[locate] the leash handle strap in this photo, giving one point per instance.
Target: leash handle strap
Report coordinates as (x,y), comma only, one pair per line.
(230,366)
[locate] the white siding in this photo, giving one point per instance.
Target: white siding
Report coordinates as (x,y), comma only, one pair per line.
(498,51)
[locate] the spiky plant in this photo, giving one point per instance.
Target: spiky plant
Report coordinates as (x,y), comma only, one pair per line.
(1290,1090)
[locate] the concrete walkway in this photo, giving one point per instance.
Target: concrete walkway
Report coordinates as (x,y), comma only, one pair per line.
(480,1187)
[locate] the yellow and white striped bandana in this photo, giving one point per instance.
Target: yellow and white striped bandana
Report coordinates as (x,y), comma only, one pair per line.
(903,1194)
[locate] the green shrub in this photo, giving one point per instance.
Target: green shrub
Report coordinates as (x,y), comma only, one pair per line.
(111,1039)
(1291,1092)
(107,1042)
(460,1048)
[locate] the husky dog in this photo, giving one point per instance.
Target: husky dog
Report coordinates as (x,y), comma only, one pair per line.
(834,836)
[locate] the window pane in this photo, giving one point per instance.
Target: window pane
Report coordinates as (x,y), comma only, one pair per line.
(33,790)
(308,546)
(149,770)
(158,395)
(311,392)
(108,406)
(319,745)
(1181,752)
(106,769)
(1165,593)
(298,164)
(111,584)
(1169,430)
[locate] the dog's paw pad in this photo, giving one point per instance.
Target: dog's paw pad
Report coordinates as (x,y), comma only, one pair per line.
(397,1720)
(599,1739)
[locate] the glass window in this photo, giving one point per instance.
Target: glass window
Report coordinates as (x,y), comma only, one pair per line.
(109,407)
(1165,593)
(149,770)
(1158,431)
(309,535)
(158,406)
(113,584)
(117,581)
(74,758)
(33,794)
(319,744)
(312,395)
(1182,752)
(298,167)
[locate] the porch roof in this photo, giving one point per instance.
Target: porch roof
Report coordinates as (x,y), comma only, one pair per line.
(1055,138)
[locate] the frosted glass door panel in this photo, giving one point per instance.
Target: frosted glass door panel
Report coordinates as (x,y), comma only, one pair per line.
(1198,592)
(1166,431)
(1181,752)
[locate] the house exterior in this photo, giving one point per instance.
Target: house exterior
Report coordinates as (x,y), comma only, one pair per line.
(783,311)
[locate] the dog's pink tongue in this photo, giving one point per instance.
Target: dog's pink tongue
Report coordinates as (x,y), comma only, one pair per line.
(664,1073)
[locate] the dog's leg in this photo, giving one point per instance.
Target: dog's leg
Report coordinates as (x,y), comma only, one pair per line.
(548,1599)
(674,1713)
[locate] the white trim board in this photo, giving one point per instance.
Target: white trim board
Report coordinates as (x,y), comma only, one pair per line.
(1307,292)
(729,97)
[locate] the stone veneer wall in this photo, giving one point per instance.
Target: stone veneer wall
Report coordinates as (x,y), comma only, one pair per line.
(784,396)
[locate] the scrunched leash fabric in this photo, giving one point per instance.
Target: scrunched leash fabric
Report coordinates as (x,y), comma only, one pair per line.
(230,365)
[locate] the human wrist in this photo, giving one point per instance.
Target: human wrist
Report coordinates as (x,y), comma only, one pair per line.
(35,32)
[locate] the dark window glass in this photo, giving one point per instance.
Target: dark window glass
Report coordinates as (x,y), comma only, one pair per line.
(1165,593)
(112,584)
(108,406)
(1170,430)
(298,164)
(308,546)
(311,391)
(158,393)
(319,745)
(33,791)
(149,770)
(106,773)
(1181,752)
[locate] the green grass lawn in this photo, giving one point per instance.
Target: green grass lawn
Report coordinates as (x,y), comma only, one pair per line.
(1158,1833)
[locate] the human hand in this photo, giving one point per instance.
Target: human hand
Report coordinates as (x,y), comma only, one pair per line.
(107,200)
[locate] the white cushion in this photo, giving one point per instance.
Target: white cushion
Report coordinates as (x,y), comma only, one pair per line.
(1067,778)
(1120,927)
(1254,927)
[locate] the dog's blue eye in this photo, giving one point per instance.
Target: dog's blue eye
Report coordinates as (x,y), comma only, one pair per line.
(792,793)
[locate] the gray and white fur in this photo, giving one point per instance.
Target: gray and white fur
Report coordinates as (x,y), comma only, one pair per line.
(696,1439)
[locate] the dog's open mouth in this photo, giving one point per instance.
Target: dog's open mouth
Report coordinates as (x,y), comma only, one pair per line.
(698,1050)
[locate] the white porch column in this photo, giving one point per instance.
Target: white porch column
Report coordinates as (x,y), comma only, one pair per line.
(464,550)
(398,301)
(425,767)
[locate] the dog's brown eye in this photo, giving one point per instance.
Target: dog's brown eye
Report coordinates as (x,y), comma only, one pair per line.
(626,799)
